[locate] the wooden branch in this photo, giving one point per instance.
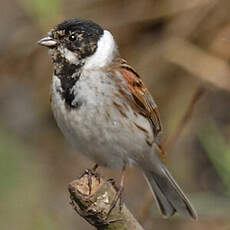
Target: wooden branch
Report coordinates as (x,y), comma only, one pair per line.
(170,142)
(94,205)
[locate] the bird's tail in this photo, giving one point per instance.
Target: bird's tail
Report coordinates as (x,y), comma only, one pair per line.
(168,195)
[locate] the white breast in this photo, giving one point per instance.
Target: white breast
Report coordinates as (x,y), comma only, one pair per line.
(97,128)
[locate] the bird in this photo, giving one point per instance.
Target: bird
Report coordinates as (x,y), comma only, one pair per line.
(103,108)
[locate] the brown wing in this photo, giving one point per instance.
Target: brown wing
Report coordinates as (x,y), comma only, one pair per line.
(142,98)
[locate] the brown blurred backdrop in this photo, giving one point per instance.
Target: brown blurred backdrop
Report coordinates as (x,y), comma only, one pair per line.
(179,47)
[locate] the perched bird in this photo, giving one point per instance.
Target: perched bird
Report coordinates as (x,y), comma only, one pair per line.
(104,109)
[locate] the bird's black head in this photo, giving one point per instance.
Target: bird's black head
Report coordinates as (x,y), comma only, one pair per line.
(70,43)
(78,36)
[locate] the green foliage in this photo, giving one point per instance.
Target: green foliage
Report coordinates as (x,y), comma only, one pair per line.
(22,205)
(218,150)
(42,10)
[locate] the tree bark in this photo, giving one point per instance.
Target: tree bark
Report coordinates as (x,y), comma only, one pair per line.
(91,197)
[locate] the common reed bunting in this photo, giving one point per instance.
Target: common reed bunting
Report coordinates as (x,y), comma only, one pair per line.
(104,109)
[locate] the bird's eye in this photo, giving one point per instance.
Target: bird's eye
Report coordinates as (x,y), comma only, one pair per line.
(72,37)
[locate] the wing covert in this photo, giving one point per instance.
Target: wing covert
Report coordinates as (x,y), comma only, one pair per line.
(141,96)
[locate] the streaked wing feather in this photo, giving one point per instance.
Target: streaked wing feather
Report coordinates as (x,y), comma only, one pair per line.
(141,96)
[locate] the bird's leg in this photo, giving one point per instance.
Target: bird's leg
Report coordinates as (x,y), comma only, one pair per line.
(119,192)
(92,172)
(95,167)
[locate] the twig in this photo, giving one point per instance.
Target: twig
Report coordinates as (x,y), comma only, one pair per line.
(184,120)
(94,207)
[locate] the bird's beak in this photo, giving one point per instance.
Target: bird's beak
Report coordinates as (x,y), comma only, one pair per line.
(47,41)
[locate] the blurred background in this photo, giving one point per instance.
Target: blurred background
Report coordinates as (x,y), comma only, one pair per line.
(182,51)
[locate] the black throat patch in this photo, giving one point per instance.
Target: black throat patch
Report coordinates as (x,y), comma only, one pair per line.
(69,74)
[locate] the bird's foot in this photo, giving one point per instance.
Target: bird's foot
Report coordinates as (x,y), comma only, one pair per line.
(118,197)
(90,173)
